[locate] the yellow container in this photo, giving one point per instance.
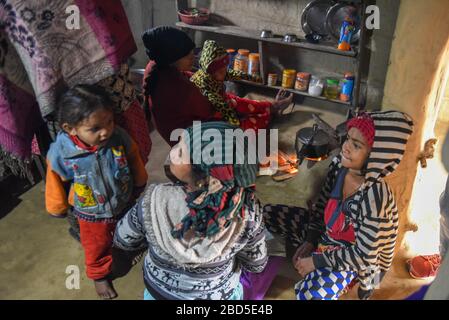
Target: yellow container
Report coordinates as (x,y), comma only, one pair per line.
(288,78)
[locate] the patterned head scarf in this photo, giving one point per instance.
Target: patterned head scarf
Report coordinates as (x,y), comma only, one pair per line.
(231,178)
(212,52)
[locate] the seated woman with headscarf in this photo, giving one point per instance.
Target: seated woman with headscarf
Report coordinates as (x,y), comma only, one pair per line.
(202,230)
(175,101)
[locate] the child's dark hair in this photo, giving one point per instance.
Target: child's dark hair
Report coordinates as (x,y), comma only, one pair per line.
(79,102)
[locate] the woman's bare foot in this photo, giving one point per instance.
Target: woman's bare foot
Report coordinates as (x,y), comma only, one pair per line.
(282,101)
(105,289)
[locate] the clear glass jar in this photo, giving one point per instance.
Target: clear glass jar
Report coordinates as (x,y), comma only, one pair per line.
(254,65)
(331,89)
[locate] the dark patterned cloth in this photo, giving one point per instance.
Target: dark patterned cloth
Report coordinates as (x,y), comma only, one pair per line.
(287,221)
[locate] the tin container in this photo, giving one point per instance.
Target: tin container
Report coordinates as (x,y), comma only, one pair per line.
(272,79)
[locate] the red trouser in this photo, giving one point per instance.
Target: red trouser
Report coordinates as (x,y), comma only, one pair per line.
(96,239)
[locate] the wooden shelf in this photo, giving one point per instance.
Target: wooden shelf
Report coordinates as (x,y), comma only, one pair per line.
(255,35)
(301,93)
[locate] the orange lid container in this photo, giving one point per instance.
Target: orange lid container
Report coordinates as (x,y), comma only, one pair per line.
(254,56)
(243,52)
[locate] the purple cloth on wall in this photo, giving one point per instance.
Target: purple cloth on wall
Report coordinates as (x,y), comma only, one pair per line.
(256,285)
(108,21)
(19,119)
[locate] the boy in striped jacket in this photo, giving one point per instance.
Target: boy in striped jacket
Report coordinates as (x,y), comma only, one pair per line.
(351,232)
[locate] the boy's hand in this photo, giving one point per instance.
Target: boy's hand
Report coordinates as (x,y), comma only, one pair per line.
(304,266)
(304,251)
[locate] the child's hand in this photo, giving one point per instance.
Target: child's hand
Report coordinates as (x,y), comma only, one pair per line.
(303,251)
(282,102)
(304,266)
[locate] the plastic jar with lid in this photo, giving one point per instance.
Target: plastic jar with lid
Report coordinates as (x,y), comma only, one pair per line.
(254,64)
(302,81)
(331,89)
(241,60)
(288,78)
(316,85)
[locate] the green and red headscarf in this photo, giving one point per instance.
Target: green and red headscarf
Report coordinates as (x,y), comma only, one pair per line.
(230,188)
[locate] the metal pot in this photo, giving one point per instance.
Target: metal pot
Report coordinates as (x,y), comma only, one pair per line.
(311,143)
(289,37)
(266,34)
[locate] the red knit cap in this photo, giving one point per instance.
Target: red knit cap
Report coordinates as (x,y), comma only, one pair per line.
(365,124)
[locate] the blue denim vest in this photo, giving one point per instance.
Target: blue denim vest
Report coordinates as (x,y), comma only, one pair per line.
(102,180)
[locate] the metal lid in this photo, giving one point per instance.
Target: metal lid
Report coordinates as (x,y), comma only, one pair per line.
(305,135)
(253,56)
(313,17)
(289,71)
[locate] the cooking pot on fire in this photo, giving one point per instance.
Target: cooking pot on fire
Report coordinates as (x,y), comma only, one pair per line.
(312,144)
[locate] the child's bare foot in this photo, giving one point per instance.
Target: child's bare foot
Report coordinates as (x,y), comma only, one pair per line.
(104,289)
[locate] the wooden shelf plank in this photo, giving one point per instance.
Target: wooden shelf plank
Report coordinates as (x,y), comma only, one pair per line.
(301,93)
(255,35)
